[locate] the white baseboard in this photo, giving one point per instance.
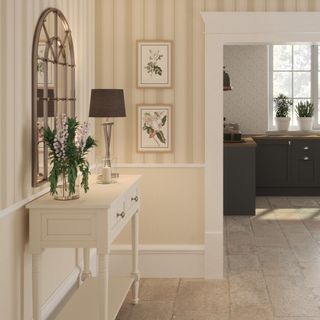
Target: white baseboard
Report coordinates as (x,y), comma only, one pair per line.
(160,261)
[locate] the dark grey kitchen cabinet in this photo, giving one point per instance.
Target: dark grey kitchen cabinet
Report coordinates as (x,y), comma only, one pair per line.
(272,163)
(305,163)
(288,166)
(239,179)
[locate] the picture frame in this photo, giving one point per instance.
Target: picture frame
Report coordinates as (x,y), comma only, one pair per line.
(40,66)
(154,64)
(154,128)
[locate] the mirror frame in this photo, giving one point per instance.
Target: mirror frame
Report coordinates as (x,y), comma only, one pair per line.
(57,47)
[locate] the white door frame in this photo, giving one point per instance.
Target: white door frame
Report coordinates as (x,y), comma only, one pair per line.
(223,28)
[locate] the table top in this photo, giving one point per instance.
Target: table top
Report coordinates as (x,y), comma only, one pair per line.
(99,196)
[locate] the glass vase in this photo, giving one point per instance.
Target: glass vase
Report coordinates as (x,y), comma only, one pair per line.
(63,191)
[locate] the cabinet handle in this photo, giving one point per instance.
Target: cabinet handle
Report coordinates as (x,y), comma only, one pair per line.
(289,143)
(306,148)
(135,198)
(122,214)
(306,158)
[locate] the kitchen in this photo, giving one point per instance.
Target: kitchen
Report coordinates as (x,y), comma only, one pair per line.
(270,163)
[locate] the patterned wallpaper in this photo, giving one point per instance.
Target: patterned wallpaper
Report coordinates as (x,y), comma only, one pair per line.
(247,103)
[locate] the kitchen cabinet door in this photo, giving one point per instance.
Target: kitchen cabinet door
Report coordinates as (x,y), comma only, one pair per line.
(273,163)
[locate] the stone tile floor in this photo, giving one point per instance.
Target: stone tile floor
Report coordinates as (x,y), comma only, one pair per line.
(272,271)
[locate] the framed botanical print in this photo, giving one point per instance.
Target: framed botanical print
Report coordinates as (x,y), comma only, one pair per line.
(154,128)
(154,64)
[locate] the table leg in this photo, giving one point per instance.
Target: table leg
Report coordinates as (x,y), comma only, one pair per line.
(36,285)
(103,260)
(135,256)
(86,273)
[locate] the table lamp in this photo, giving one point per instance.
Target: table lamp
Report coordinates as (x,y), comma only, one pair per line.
(107,103)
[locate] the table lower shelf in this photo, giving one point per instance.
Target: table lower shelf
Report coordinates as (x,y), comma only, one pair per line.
(83,305)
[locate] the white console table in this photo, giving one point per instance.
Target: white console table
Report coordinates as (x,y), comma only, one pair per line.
(93,221)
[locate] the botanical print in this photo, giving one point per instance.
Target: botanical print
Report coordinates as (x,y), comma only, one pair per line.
(154,126)
(152,67)
(154,64)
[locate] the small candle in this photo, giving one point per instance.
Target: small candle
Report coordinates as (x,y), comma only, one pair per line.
(106,175)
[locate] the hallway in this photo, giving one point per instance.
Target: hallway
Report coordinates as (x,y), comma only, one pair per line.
(272,264)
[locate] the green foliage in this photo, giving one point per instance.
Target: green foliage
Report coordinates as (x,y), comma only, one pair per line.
(74,160)
(282,105)
(304,109)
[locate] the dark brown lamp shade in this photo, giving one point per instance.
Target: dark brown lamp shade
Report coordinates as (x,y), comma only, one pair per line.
(108,103)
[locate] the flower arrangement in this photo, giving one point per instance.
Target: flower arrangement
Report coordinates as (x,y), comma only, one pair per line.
(69,144)
(152,124)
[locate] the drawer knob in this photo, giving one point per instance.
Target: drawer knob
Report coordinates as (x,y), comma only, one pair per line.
(122,214)
(306,158)
(135,199)
(306,148)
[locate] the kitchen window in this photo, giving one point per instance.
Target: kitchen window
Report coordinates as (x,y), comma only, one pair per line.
(294,71)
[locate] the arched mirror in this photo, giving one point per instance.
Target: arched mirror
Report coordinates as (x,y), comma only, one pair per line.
(53,84)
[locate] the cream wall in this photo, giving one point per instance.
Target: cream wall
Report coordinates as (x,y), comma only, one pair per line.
(247,102)
(18,19)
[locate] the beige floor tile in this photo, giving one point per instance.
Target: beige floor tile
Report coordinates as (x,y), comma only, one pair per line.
(201,316)
(290,297)
(238,243)
(159,289)
(264,240)
(278,261)
(295,226)
(279,202)
(306,252)
(311,273)
(125,312)
(309,213)
(297,318)
(300,238)
(248,288)
(263,312)
(287,215)
(147,310)
(303,202)
(264,214)
(262,203)
(238,224)
(203,296)
(239,263)
(265,227)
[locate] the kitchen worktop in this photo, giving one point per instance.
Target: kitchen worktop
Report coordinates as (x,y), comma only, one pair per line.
(247,143)
(287,136)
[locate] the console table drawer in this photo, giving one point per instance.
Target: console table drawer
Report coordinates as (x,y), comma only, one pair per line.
(68,226)
(132,197)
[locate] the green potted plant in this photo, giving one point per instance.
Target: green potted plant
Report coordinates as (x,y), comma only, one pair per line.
(282,105)
(304,112)
(69,144)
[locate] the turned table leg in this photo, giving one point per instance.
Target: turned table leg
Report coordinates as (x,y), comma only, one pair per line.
(135,256)
(86,273)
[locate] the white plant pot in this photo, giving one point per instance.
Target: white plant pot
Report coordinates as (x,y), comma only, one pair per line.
(282,123)
(305,123)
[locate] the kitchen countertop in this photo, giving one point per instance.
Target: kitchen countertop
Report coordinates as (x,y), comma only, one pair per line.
(286,136)
(248,143)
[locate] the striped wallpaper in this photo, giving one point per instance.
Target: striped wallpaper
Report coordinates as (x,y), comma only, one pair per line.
(120,23)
